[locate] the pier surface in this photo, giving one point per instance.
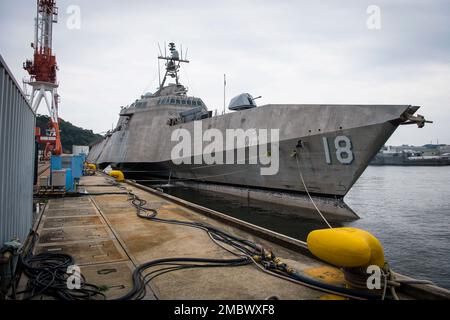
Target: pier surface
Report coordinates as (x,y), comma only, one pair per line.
(108,240)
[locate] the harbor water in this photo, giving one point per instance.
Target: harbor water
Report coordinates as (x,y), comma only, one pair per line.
(406,208)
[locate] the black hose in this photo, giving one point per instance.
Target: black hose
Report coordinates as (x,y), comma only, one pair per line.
(139,285)
(335,289)
(239,243)
(47,273)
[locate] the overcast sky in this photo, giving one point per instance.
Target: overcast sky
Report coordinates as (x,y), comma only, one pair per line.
(286,51)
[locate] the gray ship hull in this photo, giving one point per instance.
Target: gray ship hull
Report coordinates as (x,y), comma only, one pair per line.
(143,146)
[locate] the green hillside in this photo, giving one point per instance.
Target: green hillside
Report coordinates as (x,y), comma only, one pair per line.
(70,134)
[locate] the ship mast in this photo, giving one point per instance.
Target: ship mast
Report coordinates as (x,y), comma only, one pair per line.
(173,62)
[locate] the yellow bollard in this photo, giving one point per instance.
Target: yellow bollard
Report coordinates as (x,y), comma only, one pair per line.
(346,247)
(91,166)
(117,174)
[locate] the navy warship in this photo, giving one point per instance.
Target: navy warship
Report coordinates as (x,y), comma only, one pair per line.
(321,149)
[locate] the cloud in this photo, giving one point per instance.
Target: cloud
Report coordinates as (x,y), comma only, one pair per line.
(286,51)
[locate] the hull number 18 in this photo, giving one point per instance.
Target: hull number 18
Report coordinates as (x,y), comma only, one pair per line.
(343,146)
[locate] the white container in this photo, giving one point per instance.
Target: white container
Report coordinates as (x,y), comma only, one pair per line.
(59,178)
(76,150)
(43,182)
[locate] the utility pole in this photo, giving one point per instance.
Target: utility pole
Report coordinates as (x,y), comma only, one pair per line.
(224,91)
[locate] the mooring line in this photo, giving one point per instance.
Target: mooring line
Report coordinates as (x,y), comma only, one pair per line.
(307,191)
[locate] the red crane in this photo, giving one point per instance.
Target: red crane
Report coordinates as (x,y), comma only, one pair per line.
(42,70)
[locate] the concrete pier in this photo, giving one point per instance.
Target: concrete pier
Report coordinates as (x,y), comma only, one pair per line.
(108,240)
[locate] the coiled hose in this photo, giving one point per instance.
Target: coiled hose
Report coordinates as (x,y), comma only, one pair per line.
(47,273)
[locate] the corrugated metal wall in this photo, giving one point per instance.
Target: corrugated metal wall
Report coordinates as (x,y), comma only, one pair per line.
(17,122)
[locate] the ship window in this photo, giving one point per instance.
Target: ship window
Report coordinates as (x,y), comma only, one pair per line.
(183,101)
(172,101)
(194,103)
(178,101)
(189,102)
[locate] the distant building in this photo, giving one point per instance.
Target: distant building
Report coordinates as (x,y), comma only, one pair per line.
(405,155)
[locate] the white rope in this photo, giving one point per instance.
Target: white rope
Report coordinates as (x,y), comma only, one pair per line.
(307,191)
(385,284)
